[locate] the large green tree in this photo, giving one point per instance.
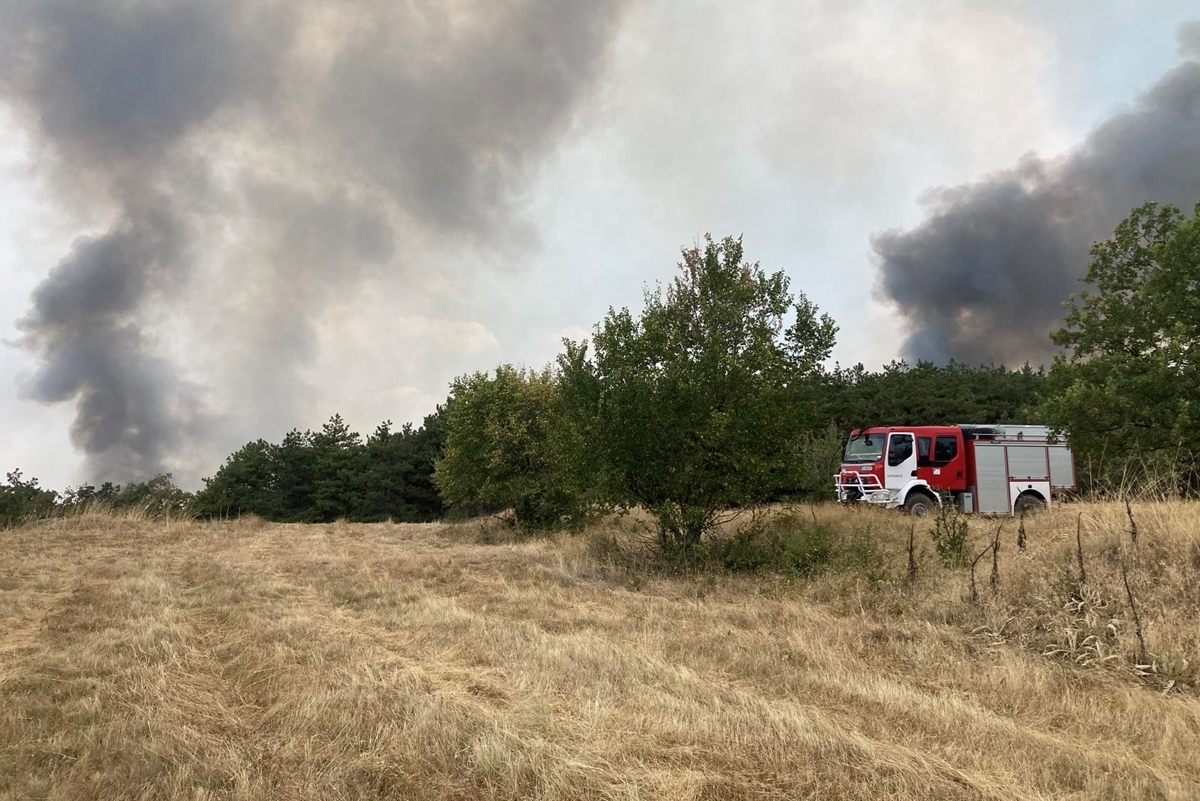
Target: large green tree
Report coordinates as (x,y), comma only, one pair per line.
(1129,386)
(697,404)
(339,468)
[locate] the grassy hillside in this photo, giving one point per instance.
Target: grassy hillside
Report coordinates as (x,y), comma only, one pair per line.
(245,660)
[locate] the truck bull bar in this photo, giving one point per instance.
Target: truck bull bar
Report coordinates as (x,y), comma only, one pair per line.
(861,487)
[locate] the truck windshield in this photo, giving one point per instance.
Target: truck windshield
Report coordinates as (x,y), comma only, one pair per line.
(864,448)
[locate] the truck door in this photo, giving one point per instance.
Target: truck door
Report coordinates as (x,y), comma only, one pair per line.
(949,463)
(901,464)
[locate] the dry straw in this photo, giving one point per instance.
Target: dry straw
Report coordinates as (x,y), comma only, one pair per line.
(250,660)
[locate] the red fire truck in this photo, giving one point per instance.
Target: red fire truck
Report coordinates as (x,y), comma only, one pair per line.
(990,469)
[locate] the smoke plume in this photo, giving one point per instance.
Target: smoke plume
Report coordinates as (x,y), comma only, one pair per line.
(982,279)
(314,139)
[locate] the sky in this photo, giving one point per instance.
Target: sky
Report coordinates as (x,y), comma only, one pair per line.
(223,220)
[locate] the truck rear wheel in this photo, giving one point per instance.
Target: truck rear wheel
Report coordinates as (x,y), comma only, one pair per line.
(1029,503)
(918,504)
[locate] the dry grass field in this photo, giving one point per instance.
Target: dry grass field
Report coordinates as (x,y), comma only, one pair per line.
(143,659)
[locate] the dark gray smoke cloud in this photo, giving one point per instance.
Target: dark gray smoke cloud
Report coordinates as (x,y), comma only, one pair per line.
(326,131)
(84,327)
(982,279)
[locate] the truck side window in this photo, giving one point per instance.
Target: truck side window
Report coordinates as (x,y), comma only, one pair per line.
(900,448)
(945,449)
(923,444)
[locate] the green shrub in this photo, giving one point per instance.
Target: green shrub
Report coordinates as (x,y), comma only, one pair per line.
(949,533)
(786,546)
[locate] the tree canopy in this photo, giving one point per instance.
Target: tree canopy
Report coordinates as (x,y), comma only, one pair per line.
(510,445)
(321,476)
(928,394)
(1129,382)
(696,402)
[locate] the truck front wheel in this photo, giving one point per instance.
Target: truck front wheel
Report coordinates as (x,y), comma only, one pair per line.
(918,504)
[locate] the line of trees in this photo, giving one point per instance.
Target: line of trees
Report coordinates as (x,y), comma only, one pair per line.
(23,498)
(309,477)
(518,445)
(524,440)
(331,474)
(714,397)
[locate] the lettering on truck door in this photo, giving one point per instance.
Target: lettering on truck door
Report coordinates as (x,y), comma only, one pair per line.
(901,464)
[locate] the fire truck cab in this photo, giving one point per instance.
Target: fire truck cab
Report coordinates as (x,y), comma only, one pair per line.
(992,469)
